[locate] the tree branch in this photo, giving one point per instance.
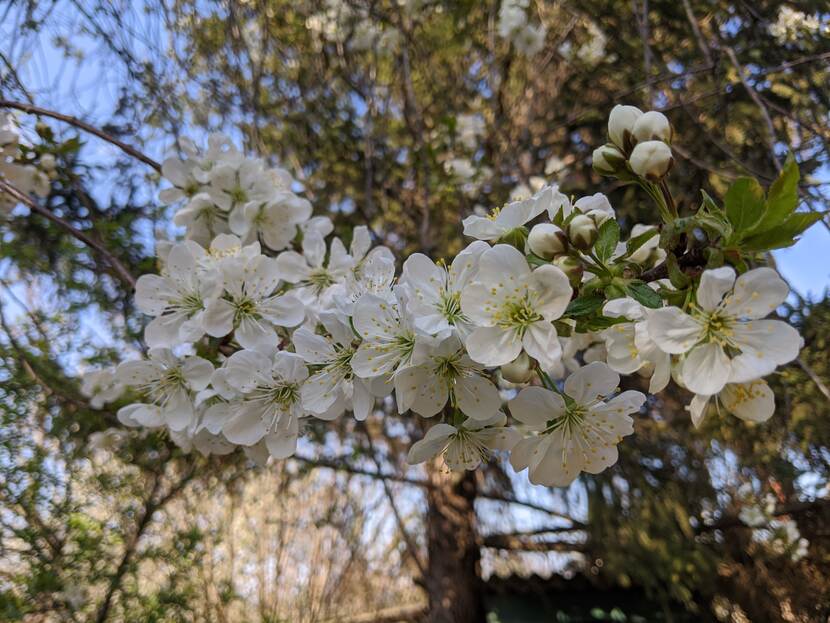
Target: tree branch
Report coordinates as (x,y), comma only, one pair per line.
(121,271)
(86,127)
(795,508)
(692,258)
(498,541)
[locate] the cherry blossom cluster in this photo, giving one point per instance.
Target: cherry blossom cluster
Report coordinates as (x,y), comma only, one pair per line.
(19,168)
(780,535)
(261,321)
(792,26)
(515,26)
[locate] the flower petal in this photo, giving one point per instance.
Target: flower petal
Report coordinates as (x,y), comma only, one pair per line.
(553,291)
(431,445)
(714,284)
(706,369)
(591,381)
(477,397)
(536,406)
(757,293)
(764,344)
(753,402)
(541,342)
(673,330)
(493,346)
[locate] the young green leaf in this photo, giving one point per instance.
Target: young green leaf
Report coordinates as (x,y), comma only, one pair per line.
(643,294)
(584,305)
(782,199)
(609,236)
(744,204)
(783,235)
(678,278)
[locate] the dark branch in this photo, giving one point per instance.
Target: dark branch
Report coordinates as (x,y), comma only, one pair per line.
(119,268)
(693,258)
(86,127)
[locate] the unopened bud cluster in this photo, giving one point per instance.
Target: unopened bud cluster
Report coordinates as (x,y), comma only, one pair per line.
(639,144)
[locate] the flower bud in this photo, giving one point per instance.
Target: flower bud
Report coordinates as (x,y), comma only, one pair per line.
(547,241)
(614,291)
(652,126)
(582,232)
(47,162)
(572,268)
(598,216)
(651,160)
(518,371)
(608,159)
(621,124)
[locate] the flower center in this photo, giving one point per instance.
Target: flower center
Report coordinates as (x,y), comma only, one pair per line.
(320,279)
(341,364)
(717,328)
(405,344)
(517,313)
(191,303)
(449,368)
(276,400)
(573,419)
(238,195)
(244,307)
(450,306)
(466,448)
(494,213)
(160,390)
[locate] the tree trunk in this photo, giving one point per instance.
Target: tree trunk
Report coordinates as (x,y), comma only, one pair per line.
(453,583)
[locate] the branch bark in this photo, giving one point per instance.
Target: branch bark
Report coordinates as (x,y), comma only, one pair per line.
(86,127)
(118,267)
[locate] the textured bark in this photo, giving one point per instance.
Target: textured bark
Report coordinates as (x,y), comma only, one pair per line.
(453,581)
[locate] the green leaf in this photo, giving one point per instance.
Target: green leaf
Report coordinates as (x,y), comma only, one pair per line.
(782,199)
(678,278)
(584,305)
(643,294)
(709,204)
(609,236)
(744,204)
(783,235)
(598,323)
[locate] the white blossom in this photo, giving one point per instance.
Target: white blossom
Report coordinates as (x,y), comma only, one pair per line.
(513,308)
(724,338)
(514,215)
(446,373)
(269,406)
(464,446)
(333,387)
(630,347)
(390,340)
(178,298)
(752,402)
(312,273)
(435,290)
(168,385)
(249,306)
(575,433)
(101,387)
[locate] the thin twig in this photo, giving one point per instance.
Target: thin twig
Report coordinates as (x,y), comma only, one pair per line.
(83,125)
(753,94)
(121,271)
(410,544)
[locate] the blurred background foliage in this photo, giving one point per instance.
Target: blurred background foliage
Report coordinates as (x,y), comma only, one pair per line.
(98,523)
